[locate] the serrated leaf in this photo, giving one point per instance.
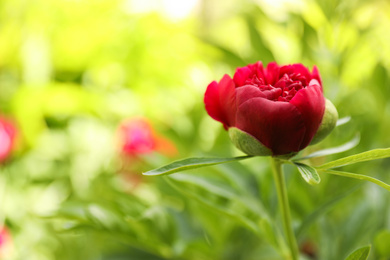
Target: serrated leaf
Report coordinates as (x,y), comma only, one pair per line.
(191,163)
(361,157)
(360,254)
(338,149)
(309,174)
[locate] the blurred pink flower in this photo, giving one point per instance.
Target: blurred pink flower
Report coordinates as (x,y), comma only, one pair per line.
(137,137)
(7,138)
(5,242)
(4,236)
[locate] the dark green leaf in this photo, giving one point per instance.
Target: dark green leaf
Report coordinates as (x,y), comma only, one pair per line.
(339,149)
(360,254)
(309,174)
(191,163)
(361,157)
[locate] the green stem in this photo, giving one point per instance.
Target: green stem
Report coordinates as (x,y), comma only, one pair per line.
(284,207)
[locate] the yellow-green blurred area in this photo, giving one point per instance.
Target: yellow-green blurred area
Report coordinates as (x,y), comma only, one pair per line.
(72,70)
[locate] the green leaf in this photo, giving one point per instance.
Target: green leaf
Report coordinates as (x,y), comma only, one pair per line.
(323,209)
(360,254)
(382,243)
(359,177)
(309,174)
(231,57)
(191,163)
(361,157)
(338,149)
(262,226)
(240,218)
(211,186)
(343,121)
(257,42)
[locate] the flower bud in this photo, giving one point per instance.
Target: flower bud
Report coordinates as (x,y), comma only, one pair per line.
(247,143)
(328,122)
(277,109)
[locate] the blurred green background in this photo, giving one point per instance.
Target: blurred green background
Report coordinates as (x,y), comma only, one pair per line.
(72,70)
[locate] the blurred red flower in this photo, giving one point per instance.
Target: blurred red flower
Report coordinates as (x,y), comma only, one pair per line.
(5,242)
(4,236)
(7,138)
(138,137)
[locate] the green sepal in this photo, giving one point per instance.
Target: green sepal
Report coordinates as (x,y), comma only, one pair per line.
(328,123)
(247,143)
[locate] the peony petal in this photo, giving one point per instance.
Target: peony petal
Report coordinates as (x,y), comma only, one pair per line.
(277,125)
(220,101)
(295,68)
(271,74)
(286,69)
(299,68)
(258,69)
(241,75)
(311,104)
(316,75)
(247,92)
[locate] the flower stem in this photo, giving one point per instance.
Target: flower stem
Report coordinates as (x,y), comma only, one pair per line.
(284,207)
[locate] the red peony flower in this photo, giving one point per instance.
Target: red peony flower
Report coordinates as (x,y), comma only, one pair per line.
(137,137)
(279,107)
(7,138)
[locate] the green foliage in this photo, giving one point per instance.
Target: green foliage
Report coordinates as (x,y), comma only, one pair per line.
(361,157)
(329,151)
(360,254)
(72,71)
(381,243)
(309,174)
(191,163)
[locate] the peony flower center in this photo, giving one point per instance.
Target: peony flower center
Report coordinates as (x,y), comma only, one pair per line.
(284,89)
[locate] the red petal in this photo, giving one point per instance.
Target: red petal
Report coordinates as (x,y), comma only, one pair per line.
(241,75)
(295,68)
(316,75)
(311,104)
(247,92)
(220,101)
(277,125)
(299,68)
(271,74)
(258,69)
